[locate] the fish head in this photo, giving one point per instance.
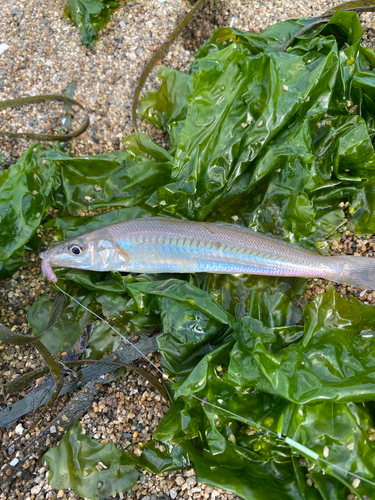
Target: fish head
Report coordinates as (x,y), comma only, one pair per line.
(87,251)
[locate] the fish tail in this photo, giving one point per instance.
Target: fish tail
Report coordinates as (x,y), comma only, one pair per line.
(358,272)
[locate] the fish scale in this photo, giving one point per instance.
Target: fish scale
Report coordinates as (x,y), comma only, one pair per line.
(159,245)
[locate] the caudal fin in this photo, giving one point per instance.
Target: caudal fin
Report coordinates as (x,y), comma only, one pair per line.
(358,272)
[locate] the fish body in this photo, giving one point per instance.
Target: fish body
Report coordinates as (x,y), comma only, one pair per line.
(162,245)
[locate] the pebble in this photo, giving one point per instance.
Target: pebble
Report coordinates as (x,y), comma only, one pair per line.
(35,489)
(19,429)
(3,47)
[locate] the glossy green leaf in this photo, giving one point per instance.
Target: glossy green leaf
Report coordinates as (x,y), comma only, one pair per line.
(235,293)
(157,457)
(332,361)
(10,266)
(107,282)
(238,433)
(120,179)
(90,17)
(25,195)
(103,341)
(74,463)
(67,329)
(276,139)
(167,107)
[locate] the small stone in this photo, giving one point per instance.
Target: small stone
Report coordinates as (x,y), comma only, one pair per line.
(232,438)
(132,56)
(244,125)
(137,452)
(356,482)
(285,87)
(172,493)
(100,466)
(35,489)
(52,429)
(19,430)
(235,218)
(97,187)
(350,446)
(3,47)
(180,480)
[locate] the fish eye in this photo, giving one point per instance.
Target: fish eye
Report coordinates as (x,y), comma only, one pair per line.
(76,248)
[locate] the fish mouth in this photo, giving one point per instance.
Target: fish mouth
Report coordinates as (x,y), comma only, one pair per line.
(47,270)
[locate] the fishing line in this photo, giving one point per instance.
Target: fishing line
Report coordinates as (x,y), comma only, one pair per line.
(165,376)
(205,402)
(291,442)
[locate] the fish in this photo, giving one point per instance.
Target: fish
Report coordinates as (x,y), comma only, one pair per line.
(165,245)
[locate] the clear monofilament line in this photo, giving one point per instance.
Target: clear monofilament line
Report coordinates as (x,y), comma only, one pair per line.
(291,442)
(114,329)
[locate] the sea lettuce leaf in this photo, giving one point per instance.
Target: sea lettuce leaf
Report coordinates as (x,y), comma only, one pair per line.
(119,179)
(94,470)
(332,361)
(238,432)
(276,139)
(90,17)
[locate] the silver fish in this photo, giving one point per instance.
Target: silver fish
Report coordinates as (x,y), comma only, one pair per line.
(162,245)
